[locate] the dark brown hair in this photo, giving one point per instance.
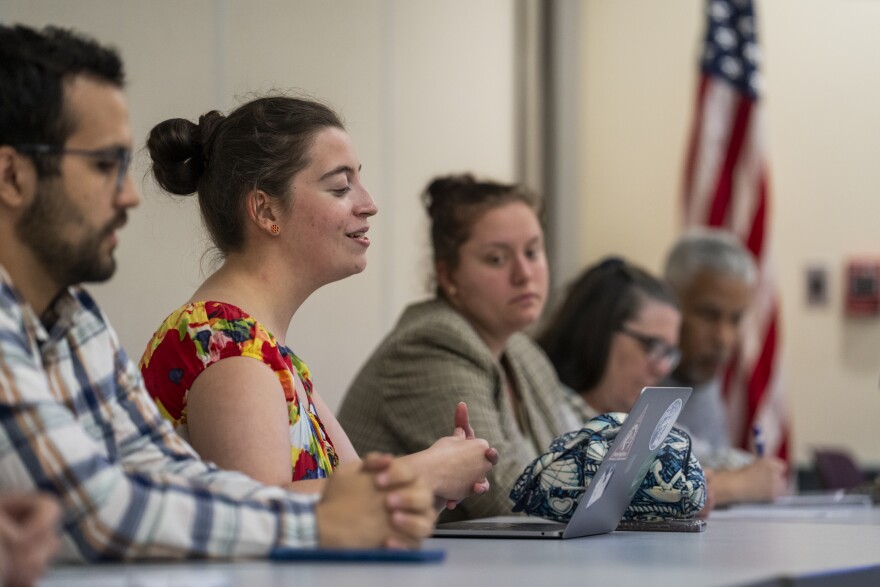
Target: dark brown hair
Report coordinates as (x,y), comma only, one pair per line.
(455,202)
(262,145)
(34,67)
(606,296)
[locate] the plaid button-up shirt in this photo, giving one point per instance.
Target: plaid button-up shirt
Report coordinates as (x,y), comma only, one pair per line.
(78,423)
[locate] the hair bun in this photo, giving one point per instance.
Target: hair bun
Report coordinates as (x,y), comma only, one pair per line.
(612,262)
(208,123)
(444,191)
(178,149)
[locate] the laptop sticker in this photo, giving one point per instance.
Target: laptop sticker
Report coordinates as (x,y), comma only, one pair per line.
(621,452)
(601,484)
(667,421)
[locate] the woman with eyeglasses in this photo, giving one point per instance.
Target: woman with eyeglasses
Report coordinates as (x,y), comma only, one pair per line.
(615,333)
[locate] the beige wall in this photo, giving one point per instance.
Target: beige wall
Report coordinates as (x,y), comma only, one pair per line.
(425,87)
(822,90)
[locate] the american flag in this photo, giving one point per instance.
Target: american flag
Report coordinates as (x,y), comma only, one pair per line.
(726,186)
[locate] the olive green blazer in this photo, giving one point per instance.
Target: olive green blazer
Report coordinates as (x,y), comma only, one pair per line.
(405,395)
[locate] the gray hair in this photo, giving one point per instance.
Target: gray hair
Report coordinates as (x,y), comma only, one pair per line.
(709,249)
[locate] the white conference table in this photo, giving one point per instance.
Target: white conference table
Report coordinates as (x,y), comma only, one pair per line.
(841,548)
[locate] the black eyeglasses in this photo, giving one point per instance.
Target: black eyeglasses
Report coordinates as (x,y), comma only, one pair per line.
(656,349)
(119,157)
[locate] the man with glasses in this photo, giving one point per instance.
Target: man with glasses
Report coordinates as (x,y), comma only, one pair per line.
(76,420)
(714,276)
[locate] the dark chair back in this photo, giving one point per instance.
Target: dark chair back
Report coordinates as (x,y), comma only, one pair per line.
(837,470)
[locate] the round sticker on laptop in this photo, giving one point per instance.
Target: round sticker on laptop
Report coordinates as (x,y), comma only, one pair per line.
(667,420)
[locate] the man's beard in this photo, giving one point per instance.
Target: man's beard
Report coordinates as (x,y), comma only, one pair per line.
(42,228)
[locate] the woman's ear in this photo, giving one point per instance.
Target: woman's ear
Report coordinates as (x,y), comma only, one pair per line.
(445,279)
(261,210)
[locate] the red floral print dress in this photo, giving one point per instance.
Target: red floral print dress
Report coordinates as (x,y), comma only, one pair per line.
(200,334)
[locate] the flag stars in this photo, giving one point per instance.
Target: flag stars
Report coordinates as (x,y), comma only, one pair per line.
(709,53)
(755,83)
(725,37)
(730,50)
(746,26)
(731,67)
(719,11)
(752,54)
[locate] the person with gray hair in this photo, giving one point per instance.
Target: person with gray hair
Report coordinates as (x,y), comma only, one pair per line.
(714,277)
(709,248)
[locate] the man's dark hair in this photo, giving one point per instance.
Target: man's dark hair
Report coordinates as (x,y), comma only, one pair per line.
(34,66)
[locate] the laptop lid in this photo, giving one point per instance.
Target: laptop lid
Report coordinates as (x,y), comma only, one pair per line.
(613,486)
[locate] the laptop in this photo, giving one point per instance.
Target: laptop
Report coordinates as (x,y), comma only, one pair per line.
(614,485)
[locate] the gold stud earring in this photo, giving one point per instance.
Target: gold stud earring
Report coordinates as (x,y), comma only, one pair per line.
(275,229)
(451,291)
